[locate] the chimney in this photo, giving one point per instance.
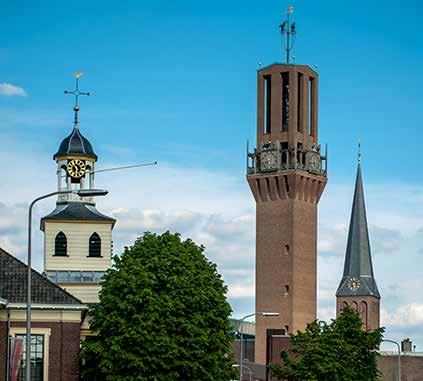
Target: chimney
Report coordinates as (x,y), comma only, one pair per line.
(406,345)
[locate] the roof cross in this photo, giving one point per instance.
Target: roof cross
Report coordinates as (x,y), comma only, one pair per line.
(77,93)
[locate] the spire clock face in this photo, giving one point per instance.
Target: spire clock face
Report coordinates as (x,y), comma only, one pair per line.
(354,284)
(76,168)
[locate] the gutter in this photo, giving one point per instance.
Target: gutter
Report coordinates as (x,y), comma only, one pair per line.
(69,307)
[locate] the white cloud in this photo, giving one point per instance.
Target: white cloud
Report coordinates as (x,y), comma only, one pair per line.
(241,291)
(9,90)
(409,315)
(216,209)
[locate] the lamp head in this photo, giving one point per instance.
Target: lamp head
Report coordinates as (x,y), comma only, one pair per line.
(269,313)
(91,192)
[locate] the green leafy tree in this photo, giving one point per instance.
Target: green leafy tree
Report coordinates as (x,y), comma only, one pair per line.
(162,315)
(339,351)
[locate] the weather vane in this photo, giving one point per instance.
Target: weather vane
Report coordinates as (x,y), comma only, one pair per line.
(76,93)
(359,152)
(288,31)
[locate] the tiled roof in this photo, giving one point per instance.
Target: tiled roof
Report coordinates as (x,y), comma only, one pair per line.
(13,284)
(75,211)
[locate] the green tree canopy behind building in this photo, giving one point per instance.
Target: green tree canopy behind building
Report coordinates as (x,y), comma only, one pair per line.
(339,351)
(162,315)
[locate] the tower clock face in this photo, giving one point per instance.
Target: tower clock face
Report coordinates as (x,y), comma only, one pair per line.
(354,284)
(314,165)
(76,168)
(268,160)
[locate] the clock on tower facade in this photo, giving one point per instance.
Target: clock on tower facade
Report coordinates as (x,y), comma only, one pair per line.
(358,288)
(287,173)
(77,237)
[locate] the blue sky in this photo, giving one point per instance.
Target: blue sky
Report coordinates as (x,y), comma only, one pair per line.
(176,82)
(169,75)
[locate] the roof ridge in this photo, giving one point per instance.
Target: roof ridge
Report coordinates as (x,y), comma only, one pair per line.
(82,141)
(40,276)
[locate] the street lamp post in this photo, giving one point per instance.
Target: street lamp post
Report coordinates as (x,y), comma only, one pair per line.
(81,193)
(399,356)
(250,372)
(242,336)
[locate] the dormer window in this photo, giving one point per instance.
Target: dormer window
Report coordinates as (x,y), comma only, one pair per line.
(94,246)
(61,245)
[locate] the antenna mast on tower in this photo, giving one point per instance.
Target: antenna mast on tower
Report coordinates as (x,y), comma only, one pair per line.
(288,31)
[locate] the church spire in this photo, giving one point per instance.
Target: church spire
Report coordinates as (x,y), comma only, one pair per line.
(358,277)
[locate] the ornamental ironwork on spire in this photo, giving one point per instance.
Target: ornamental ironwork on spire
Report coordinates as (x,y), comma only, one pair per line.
(358,277)
(76,143)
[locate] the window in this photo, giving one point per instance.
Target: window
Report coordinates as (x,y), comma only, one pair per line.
(95,246)
(363,314)
(97,276)
(286,249)
(37,358)
(87,277)
(74,276)
(61,245)
(52,275)
(63,277)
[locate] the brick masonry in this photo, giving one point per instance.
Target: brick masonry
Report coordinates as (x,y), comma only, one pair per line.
(64,343)
(411,363)
(286,209)
(3,346)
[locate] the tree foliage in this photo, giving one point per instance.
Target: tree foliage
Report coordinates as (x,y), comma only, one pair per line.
(162,315)
(339,351)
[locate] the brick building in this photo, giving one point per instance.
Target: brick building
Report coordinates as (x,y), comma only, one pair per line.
(56,323)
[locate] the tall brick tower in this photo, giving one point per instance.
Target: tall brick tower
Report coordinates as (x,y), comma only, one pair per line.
(287,175)
(358,288)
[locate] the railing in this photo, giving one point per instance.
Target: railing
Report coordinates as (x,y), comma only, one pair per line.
(272,158)
(74,197)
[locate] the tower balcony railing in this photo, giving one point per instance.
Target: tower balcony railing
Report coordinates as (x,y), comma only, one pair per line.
(71,197)
(272,157)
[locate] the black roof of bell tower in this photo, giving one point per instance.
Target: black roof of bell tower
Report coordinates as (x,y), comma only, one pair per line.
(358,258)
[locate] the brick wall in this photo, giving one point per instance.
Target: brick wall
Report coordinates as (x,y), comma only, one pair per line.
(3,346)
(411,367)
(64,345)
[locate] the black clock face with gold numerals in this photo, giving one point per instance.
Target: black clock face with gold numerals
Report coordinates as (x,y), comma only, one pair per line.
(76,168)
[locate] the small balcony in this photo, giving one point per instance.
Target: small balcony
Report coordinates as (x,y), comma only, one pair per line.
(274,157)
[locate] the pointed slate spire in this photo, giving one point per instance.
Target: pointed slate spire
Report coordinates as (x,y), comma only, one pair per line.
(358,278)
